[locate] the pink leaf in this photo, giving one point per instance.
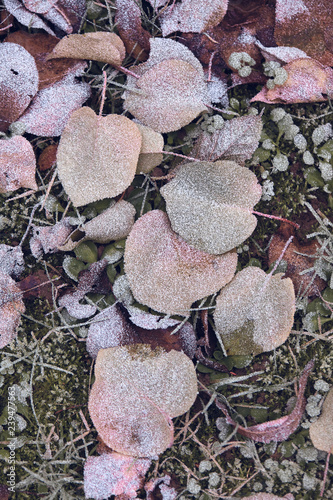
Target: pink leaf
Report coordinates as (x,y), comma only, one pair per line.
(17,164)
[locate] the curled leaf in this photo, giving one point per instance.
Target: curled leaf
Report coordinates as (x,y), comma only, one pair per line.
(321,431)
(152,144)
(48,239)
(17,164)
(210,204)
(255,312)
(97,156)
(166,273)
(153,387)
(11,307)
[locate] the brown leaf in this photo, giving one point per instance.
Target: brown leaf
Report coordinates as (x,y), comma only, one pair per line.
(17,164)
(321,431)
(48,239)
(25,17)
(11,260)
(135,38)
(36,285)
(280,429)
(268,496)
(48,157)
(11,307)
(296,263)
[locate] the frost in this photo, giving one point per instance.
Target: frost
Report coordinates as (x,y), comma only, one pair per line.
(17,164)
(214,480)
(121,290)
(309,482)
(326,170)
(321,133)
(321,431)
(291,132)
(300,142)
(308,158)
(277,114)
(321,385)
(150,152)
(204,466)
(11,260)
(11,307)
(267,190)
(268,144)
(48,239)
(280,163)
(193,486)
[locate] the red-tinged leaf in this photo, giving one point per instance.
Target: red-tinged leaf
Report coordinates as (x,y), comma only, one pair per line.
(135,38)
(160,486)
(48,239)
(114,474)
(48,157)
(280,429)
(17,164)
(25,17)
(36,285)
(268,496)
(11,307)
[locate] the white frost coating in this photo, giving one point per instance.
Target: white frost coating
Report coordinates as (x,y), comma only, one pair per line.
(25,17)
(115,223)
(11,307)
(286,9)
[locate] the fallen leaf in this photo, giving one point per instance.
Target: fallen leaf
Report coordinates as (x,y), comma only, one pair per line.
(11,308)
(308,81)
(37,284)
(166,273)
(97,156)
(254,312)
(48,239)
(135,38)
(170,90)
(25,17)
(268,496)
(98,46)
(153,387)
(321,431)
(114,474)
(17,164)
(210,204)
(160,485)
(150,155)
(48,157)
(236,140)
(11,260)
(281,54)
(192,16)
(298,257)
(275,430)
(18,82)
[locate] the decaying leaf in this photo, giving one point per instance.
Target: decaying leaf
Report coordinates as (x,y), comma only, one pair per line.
(11,308)
(281,54)
(17,164)
(135,38)
(210,204)
(268,496)
(160,486)
(18,82)
(11,260)
(255,312)
(114,474)
(97,156)
(48,239)
(308,81)
(98,46)
(321,431)
(152,144)
(280,429)
(170,90)
(25,17)
(193,16)
(48,157)
(166,273)
(236,140)
(153,387)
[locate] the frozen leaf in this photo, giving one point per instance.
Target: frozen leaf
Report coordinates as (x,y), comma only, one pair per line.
(11,260)
(37,284)
(210,204)
(282,428)
(135,38)
(39,45)
(160,485)
(321,431)
(48,239)
(48,157)
(268,496)
(50,110)
(255,312)
(26,17)
(281,54)
(193,16)
(236,140)
(17,164)
(170,91)
(165,273)
(153,387)
(308,81)
(11,308)
(114,474)
(18,82)
(97,156)
(98,46)
(152,144)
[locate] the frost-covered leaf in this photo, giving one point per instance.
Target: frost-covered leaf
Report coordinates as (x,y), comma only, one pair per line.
(11,260)
(152,144)
(11,308)
(167,274)
(50,110)
(97,156)
(135,38)
(114,474)
(268,496)
(281,428)
(17,164)
(281,54)
(153,386)
(193,16)
(26,17)
(18,82)
(160,485)
(98,46)
(308,81)
(321,431)
(236,140)
(255,312)
(170,91)
(48,239)
(210,204)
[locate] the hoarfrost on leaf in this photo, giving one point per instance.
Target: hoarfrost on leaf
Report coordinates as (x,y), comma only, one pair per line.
(17,164)
(321,431)
(11,308)
(150,152)
(210,204)
(166,273)
(48,239)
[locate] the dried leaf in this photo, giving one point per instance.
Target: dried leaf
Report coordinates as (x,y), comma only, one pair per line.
(308,81)
(282,428)
(153,387)
(98,46)
(236,140)
(26,17)
(50,110)
(210,204)
(37,284)
(17,164)
(268,496)
(281,54)
(170,91)
(192,16)
(114,474)
(152,144)
(321,431)
(11,260)
(111,146)
(18,82)
(48,157)
(164,489)
(167,274)
(11,308)
(135,38)
(48,239)
(254,312)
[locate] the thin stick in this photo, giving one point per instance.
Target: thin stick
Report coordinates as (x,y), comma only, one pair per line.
(325,473)
(127,71)
(221,110)
(277,218)
(49,187)
(103,95)
(178,154)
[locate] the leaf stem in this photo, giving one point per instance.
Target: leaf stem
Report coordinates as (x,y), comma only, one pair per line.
(277,218)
